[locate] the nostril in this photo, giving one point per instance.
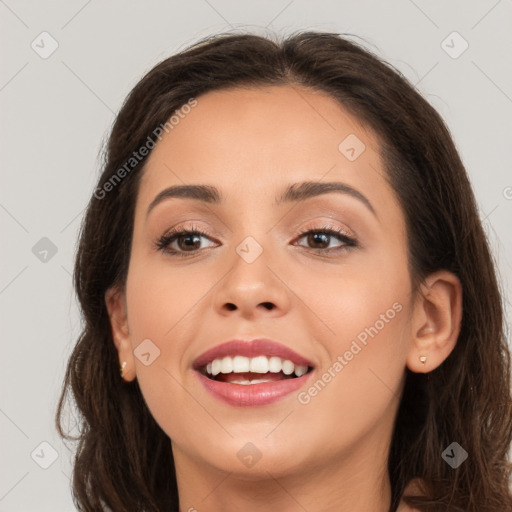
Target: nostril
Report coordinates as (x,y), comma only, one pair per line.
(268,305)
(230,306)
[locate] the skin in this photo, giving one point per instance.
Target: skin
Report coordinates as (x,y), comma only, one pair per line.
(331,453)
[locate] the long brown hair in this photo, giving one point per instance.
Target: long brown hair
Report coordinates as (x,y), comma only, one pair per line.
(124,460)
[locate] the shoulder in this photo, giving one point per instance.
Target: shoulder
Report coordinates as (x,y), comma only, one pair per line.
(414,488)
(403,507)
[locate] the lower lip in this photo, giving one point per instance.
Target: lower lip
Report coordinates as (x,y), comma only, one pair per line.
(241,395)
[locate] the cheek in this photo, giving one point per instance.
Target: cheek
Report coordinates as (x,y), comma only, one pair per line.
(164,307)
(367,311)
(161,298)
(361,299)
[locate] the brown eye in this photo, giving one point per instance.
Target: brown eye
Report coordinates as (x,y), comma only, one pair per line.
(321,239)
(318,240)
(181,241)
(189,241)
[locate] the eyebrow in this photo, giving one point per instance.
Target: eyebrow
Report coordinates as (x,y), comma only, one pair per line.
(293,193)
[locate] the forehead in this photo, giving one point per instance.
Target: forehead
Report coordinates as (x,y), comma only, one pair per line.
(246,140)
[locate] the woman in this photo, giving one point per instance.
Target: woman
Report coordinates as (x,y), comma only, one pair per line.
(283,258)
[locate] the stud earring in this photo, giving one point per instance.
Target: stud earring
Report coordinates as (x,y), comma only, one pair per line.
(122,367)
(423,359)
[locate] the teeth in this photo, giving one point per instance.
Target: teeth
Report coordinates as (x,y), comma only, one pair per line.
(249,382)
(241,364)
(227,365)
(216,365)
(301,370)
(258,364)
(275,365)
(288,367)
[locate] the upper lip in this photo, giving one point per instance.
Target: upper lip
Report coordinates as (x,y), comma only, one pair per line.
(253,348)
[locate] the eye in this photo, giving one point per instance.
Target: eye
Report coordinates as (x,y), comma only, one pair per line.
(181,242)
(184,242)
(320,239)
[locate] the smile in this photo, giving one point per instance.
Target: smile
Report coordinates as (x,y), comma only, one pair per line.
(252,373)
(255,370)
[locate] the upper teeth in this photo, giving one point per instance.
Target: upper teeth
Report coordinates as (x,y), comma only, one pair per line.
(258,364)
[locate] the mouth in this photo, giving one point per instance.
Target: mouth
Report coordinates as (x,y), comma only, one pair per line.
(247,373)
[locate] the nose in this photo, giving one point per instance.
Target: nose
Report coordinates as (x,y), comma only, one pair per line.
(253,289)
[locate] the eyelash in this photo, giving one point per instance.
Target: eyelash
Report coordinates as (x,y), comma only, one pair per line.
(162,244)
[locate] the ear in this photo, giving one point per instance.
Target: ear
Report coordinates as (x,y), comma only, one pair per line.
(436,319)
(117,312)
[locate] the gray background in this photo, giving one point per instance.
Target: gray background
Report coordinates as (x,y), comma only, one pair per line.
(56,112)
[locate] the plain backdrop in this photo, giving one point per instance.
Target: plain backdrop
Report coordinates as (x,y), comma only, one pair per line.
(66,68)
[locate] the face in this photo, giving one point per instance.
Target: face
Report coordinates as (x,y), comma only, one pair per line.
(323,275)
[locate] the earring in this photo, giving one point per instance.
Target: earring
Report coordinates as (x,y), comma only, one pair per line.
(423,359)
(122,367)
